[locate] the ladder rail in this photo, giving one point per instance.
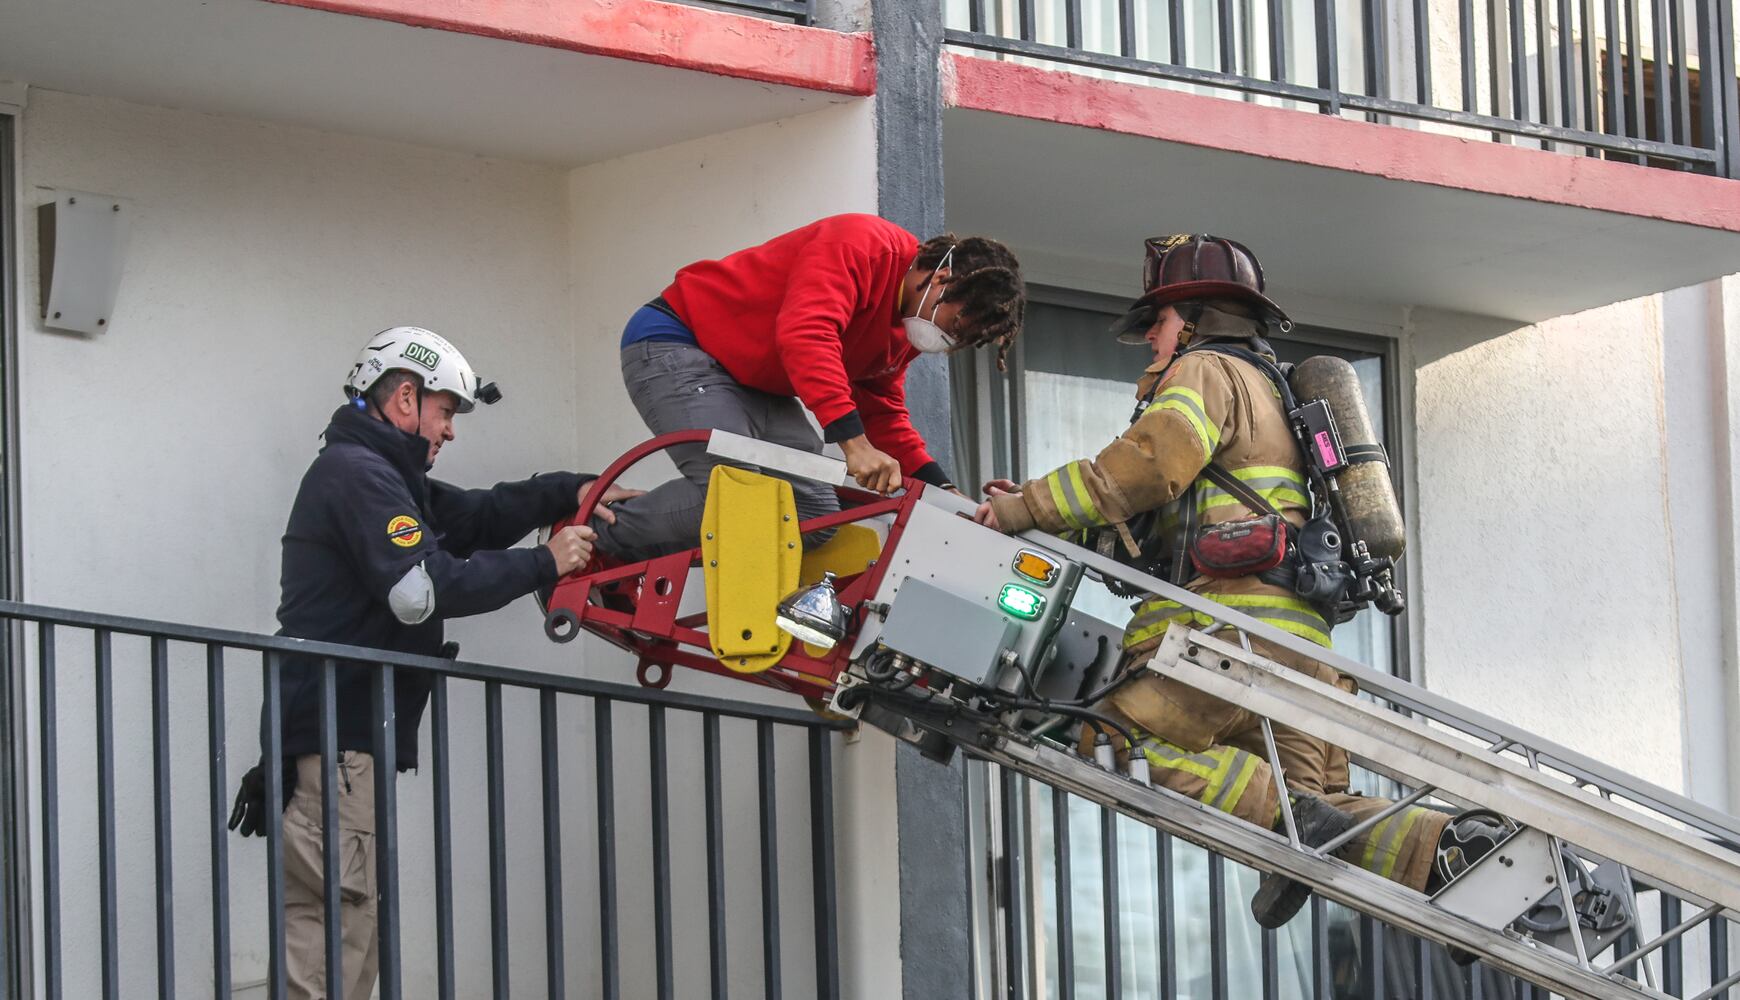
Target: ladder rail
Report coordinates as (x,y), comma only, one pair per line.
(1412,697)
(1334,879)
(1427,756)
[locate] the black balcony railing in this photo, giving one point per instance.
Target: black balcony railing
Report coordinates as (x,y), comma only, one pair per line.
(1649,81)
(142,675)
(794,11)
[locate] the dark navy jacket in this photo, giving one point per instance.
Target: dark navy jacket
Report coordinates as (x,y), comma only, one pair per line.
(365,515)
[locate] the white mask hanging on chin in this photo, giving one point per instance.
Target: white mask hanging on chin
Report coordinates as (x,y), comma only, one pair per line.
(921,331)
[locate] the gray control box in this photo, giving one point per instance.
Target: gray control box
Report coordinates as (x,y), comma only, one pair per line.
(959,637)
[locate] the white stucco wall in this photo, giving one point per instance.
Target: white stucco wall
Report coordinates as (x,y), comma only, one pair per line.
(1545,588)
(635,221)
(160,460)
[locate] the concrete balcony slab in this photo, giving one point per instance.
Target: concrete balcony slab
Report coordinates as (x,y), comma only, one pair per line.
(565,83)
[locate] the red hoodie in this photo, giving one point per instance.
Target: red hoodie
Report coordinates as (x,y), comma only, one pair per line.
(813,314)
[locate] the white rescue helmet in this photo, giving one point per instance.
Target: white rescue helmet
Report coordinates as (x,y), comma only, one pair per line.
(425,354)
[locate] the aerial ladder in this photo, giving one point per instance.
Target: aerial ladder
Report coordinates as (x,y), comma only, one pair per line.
(956,638)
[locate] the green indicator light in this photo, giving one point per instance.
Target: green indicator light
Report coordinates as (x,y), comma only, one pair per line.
(1020,602)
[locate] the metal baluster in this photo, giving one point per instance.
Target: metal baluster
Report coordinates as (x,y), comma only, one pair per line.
(1673,960)
(1634,71)
(715,852)
(603,776)
(1167,946)
(1718,949)
(1519,60)
(1615,97)
(976,20)
(1591,75)
(1126,25)
(1682,133)
(1217,973)
(51,959)
(1175,31)
(1664,95)
(163,829)
(1321,986)
(661,848)
(498,884)
(1025,22)
(555,947)
(1065,907)
(822,863)
(1423,52)
(767,800)
(1109,903)
(1371,947)
(1270,961)
(1072,24)
(1328,69)
(1377,62)
(386,767)
(1277,41)
(218,753)
(329,830)
(273,723)
(1229,50)
(1469,61)
(1013,876)
(439,744)
(111,973)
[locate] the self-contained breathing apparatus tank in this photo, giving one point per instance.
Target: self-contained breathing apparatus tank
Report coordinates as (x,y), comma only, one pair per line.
(1347,559)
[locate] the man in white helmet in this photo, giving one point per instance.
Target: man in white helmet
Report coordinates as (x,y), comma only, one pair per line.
(377,554)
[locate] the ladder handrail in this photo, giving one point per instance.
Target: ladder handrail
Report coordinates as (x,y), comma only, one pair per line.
(1414,698)
(1428,755)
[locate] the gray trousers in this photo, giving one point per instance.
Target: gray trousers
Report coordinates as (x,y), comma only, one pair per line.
(679,387)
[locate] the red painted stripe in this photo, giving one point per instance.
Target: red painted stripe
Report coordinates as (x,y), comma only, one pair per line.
(667,34)
(1380,150)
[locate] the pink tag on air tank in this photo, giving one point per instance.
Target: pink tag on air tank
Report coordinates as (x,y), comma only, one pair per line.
(1326,450)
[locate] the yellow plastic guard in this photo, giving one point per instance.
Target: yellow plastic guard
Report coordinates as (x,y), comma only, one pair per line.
(847,553)
(750,556)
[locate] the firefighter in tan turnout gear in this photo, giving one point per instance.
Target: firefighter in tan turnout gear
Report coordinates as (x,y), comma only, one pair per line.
(1212,445)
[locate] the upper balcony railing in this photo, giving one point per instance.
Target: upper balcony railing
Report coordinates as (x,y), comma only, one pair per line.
(1642,81)
(794,11)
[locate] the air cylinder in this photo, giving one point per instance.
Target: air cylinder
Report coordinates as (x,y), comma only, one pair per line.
(1368,496)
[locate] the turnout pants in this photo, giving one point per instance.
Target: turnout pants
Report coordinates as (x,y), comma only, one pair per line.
(678,387)
(305,887)
(1213,752)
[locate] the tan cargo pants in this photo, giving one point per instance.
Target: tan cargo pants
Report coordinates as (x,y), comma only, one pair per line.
(1213,751)
(305,886)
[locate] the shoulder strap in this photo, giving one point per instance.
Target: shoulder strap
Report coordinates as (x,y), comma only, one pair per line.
(1269,369)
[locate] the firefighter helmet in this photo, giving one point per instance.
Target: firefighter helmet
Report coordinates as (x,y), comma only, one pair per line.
(1188,267)
(422,353)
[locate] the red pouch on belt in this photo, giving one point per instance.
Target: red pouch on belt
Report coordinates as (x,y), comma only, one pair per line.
(1240,548)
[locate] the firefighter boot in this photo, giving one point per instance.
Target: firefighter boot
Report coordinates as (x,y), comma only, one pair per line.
(1279,898)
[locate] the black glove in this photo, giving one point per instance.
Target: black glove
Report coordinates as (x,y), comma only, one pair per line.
(248,814)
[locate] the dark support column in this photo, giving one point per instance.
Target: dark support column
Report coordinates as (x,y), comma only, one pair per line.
(934,942)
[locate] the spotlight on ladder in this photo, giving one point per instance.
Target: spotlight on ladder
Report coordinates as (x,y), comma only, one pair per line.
(814,613)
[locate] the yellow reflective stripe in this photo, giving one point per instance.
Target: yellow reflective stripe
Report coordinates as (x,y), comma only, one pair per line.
(1163,754)
(1189,403)
(1277,484)
(1235,789)
(1289,614)
(1384,842)
(1054,483)
(1088,512)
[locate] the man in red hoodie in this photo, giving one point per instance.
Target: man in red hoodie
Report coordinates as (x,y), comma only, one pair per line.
(825,318)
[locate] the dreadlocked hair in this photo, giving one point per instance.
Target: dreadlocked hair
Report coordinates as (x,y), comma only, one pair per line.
(986,281)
